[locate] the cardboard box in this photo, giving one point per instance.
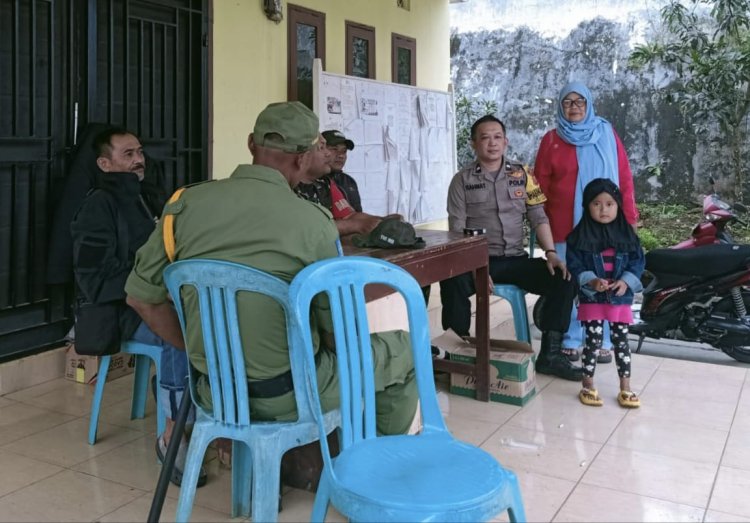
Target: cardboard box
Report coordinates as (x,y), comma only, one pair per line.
(85,369)
(512,376)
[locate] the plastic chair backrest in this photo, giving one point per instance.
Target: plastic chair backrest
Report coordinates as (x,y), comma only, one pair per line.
(343,280)
(217,284)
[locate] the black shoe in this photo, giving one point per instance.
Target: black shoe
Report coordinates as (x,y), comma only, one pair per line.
(179,463)
(551,359)
(559,367)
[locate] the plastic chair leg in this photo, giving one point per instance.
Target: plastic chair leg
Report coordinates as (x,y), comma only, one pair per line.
(267,466)
(517,300)
(516,512)
(520,318)
(242,478)
(140,386)
(199,441)
(96,401)
(322,497)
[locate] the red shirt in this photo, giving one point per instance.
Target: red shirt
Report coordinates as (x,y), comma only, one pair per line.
(556,170)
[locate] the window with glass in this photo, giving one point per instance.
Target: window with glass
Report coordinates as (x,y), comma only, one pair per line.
(306,41)
(403,59)
(360,50)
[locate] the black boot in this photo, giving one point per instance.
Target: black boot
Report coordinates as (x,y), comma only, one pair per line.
(551,359)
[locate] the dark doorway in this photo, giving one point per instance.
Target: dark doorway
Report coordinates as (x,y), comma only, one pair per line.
(63,63)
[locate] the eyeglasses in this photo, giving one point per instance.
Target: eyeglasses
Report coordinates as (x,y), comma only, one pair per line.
(578,102)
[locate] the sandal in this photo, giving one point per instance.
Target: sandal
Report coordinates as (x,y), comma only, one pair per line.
(590,397)
(571,354)
(628,399)
(604,356)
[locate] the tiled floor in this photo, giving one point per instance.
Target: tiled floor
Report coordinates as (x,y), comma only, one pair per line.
(681,457)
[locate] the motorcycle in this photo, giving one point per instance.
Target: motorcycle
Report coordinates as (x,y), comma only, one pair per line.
(698,290)
(717,214)
(697,295)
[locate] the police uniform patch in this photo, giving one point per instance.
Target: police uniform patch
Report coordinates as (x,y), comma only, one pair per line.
(514,172)
(519,193)
(534,194)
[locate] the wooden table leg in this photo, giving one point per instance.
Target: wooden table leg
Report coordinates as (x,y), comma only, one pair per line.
(482,326)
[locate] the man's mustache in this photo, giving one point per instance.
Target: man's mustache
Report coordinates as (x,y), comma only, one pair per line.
(139,166)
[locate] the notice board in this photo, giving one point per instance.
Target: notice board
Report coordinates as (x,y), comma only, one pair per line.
(404,142)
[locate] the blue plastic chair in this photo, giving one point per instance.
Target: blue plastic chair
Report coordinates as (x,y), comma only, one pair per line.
(426,477)
(257,447)
(517,299)
(144,355)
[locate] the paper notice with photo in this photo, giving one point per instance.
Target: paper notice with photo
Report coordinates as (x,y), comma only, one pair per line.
(370,101)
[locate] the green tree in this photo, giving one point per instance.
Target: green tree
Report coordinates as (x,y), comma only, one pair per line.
(468,112)
(710,56)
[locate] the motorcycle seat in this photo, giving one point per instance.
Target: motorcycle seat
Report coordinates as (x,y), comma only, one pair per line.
(705,262)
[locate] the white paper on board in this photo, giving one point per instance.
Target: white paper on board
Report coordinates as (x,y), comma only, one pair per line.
(403,155)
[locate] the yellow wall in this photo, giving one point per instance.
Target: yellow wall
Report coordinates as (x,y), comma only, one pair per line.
(249,55)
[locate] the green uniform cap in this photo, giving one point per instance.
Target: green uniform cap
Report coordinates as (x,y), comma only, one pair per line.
(390,233)
(287,126)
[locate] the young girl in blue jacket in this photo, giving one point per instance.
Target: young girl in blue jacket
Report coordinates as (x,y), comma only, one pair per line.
(606,258)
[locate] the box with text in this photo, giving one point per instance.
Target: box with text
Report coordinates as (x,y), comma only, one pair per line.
(85,369)
(512,376)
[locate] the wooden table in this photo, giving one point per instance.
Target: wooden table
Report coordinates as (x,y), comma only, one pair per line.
(446,254)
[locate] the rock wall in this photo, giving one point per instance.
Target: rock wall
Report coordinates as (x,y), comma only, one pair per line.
(522,69)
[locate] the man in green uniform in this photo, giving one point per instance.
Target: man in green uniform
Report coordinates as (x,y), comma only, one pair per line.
(256,219)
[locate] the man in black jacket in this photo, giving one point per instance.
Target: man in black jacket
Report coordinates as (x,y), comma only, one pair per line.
(109,227)
(80,179)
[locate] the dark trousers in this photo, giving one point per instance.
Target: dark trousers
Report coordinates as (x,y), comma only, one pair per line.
(530,274)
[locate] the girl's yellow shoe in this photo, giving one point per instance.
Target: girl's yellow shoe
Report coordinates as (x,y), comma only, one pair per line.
(628,399)
(590,397)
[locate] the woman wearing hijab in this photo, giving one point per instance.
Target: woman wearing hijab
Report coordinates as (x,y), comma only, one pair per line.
(583,147)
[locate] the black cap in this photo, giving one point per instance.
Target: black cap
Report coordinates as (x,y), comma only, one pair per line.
(334,137)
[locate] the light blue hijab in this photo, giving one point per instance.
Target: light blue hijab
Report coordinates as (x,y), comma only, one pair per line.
(595,144)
